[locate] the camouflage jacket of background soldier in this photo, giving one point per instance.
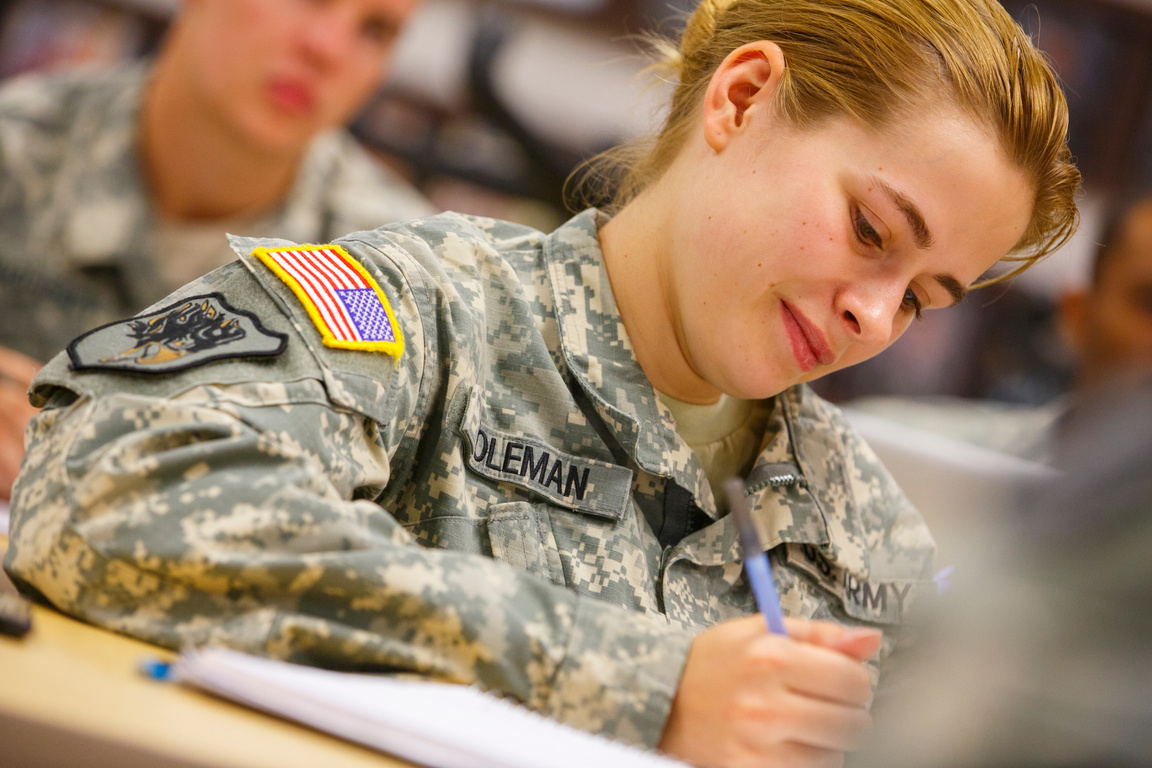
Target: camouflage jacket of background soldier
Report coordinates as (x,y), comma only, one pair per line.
(506,503)
(76,224)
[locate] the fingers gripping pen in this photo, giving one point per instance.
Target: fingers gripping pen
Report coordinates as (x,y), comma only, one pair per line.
(755,558)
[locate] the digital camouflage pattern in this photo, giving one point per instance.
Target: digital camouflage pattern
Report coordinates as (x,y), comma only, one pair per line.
(77,230)
(487,508)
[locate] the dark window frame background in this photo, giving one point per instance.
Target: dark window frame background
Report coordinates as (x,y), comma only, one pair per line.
(1102,52)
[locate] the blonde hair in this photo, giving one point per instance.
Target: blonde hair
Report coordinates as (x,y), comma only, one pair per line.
(874,60)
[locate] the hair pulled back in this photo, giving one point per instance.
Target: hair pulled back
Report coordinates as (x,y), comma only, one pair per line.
(875,60)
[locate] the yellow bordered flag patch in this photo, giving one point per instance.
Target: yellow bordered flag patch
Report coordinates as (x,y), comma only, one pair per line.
(341,297)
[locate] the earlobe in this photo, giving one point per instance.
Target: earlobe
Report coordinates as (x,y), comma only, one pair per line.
(746,80)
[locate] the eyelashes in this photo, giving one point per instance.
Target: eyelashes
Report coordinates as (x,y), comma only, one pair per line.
(912,302)
(865,232)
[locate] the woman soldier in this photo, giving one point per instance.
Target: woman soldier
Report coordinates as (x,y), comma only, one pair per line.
(449,447)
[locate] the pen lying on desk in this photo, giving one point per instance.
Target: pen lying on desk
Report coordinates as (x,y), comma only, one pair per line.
(755,558)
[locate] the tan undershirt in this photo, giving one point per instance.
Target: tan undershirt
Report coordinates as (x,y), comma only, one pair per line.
(724,435)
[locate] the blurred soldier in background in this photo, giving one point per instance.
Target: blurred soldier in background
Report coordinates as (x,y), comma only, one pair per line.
(1042,653)
(1110,322)
(117,187)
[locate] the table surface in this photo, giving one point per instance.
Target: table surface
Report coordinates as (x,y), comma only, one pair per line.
(69,687)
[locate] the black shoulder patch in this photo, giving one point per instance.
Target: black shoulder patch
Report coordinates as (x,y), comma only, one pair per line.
(189,333)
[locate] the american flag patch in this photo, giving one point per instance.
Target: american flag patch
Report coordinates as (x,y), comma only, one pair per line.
(340,296)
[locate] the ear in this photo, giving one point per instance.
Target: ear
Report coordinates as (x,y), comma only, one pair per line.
(746,80)
(1072,309)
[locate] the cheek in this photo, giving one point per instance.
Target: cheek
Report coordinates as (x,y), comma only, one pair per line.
(361,80)
(259,25)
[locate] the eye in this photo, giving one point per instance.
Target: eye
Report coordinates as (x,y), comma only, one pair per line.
(865,232)
(912,303)
(378,30)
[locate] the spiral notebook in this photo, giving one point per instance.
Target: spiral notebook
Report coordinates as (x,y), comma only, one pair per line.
(431,724)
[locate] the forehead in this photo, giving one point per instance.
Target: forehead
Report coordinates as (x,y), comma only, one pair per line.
(1130,253)
(975,201)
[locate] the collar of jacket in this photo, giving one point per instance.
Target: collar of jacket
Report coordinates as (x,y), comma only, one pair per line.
(599,354)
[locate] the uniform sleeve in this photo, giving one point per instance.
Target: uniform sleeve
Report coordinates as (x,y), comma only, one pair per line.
(239,512)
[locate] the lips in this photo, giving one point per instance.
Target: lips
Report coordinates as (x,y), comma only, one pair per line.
(292,96)
(808,343)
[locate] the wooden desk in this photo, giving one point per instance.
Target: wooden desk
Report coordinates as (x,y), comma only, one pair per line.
(70,695)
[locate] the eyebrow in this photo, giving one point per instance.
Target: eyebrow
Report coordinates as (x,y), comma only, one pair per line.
(954,287)
(920,233)
(922,236)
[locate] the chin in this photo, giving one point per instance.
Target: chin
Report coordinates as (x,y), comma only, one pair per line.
(273,132)
(761,388)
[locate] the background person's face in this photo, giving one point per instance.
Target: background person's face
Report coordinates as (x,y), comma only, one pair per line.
(1115,336)
(278,71)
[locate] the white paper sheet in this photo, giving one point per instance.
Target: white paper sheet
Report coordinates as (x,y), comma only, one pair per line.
(434,724)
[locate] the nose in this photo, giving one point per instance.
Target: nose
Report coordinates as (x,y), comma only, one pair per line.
(328,35)
(871,310)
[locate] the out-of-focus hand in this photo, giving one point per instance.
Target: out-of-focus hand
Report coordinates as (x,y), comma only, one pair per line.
(16,374)
(750,698)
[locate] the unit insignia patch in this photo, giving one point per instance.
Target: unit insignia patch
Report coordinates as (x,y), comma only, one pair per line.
(183,335)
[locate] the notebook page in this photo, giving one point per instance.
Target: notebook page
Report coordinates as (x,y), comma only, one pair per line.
(434,724)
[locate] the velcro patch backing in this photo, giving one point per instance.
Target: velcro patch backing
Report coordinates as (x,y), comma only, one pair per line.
(344,301)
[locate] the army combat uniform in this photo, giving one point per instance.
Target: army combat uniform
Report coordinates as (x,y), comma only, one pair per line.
(484,488)
(79,243)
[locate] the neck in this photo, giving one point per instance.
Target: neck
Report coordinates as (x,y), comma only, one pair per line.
(197,166)
(635,244)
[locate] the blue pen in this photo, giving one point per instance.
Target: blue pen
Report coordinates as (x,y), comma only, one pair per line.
(755,558)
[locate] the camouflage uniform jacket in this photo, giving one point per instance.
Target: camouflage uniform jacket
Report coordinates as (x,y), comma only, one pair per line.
(76,224)
(506,502)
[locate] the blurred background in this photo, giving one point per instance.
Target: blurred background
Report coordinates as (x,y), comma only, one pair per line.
(490,106)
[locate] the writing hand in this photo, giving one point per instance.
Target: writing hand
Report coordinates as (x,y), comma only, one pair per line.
(750,698)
